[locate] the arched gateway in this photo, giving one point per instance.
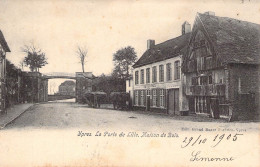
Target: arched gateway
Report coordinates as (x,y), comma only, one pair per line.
(35,84)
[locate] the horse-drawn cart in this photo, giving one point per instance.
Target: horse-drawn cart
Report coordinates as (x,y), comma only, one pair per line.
(94,99)
(120,100)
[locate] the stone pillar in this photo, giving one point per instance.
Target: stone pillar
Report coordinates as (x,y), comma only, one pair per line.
(83,85)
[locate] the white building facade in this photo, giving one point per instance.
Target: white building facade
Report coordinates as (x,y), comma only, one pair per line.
(157,78)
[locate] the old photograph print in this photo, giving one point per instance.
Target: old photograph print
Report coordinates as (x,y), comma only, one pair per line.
(129,83)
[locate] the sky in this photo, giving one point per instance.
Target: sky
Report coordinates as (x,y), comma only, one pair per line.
(57,27)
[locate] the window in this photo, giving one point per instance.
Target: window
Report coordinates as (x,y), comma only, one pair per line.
(210,79)
(203,63)
(169,72)
(142,97)
(148,75)
(194,81)
(203,80)
(154,74)
(177,70)
(208,62)
(136,97)
(161,73)
(154,98)
(142,76)
(136,77)
(161,98)
(148,92)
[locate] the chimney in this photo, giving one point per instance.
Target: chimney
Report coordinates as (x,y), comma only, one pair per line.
(210,13)
(186,28)
(150,43)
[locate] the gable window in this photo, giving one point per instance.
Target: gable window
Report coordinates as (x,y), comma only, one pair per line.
(203,63)
(154,74)
(169,72)
(161,73)
(148,75)
(208,62)
(137,77)
(142,76)
(177,70)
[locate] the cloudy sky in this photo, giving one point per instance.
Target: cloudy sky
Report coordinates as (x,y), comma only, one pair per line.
(103,27)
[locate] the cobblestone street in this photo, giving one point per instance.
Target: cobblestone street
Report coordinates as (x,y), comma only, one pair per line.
(74,135)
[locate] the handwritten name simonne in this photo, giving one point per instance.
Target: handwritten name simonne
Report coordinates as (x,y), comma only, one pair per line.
(195,156)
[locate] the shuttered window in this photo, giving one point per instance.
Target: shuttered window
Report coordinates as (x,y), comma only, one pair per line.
(148,75)
(136,97)
(169,72)
(162,98)
(142,76)
(154,74)
(142,97)
(161,73)
(177,70)
(154,97)
(137,77)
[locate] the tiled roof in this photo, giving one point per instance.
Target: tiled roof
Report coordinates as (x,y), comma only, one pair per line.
(3,42)
(234,41)
(165,50)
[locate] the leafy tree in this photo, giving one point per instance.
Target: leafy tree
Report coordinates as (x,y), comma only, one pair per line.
(82,55)
(35,58)
(123,59)
(108,84)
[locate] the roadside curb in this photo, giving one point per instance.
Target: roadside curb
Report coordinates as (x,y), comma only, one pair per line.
(4,125)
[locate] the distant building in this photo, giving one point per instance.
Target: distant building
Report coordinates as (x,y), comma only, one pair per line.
(222,67)
(157,77)
(3,49)
(67,88)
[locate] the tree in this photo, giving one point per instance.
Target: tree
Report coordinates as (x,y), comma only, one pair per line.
(35,58)
(123,59)
(82,55)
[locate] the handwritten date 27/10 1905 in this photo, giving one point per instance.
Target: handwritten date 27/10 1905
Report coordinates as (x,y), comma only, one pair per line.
(192,141)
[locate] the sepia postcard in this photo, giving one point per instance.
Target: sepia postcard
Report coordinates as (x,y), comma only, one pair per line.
(129,83)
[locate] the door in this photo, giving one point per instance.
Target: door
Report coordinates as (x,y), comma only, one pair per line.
(173,101)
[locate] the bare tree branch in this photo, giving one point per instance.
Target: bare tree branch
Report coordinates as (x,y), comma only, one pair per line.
(82,54)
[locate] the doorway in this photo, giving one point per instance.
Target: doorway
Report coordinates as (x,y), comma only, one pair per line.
(173,95)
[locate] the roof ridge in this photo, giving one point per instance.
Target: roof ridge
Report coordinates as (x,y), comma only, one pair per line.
(172,39)
(227,18)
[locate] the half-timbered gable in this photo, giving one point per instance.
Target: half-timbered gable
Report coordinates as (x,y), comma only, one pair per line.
(217,47)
